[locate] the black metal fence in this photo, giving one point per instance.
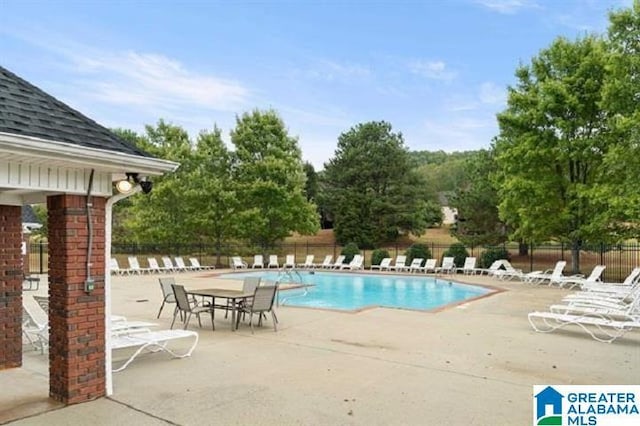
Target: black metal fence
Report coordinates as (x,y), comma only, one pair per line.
(619,259)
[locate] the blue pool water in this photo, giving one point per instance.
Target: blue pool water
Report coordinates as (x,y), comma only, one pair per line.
(353,291)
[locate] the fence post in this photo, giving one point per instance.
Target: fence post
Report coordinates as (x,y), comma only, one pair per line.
(602,253)
(530,257)
(41,250)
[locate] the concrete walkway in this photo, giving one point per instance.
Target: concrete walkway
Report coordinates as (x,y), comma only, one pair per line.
(472,364)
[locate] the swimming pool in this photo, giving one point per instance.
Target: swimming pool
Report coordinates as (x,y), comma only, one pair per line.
(343,291)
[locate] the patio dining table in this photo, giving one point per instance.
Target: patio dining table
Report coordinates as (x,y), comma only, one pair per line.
(233,296)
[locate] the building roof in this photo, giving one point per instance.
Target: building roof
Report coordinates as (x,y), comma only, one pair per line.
(26,110)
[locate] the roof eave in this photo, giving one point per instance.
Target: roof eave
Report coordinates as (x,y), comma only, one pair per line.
(84,157)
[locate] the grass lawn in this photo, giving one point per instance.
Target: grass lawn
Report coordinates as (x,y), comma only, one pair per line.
(325,236)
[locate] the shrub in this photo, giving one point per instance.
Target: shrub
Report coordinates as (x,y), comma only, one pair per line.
(459,253)
(417,251)
(349,251)
(492,254)
(378,255)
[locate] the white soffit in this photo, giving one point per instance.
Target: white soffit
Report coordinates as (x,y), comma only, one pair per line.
(16,149)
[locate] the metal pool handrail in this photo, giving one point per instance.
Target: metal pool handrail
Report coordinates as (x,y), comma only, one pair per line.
(305,290)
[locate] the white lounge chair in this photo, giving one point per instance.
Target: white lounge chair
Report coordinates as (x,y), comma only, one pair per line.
(308,262)
(168,264)
(238,263)
(384,264)
(273,261)
(355,264)
(494,268)
(469,266)
(339,262)
(507,271)
(289,262)
(195,263)
(36,332)
(326,263)
(430,266)
(400,263)
(40,330)
(134,266)
(551,275)
(180,265)
(579,280)
(630,280)
(416,264)
(258,261)
(151,341)
(153,265)
(598,306)
(115,268)
(614,293)
(602,327)
(448,265)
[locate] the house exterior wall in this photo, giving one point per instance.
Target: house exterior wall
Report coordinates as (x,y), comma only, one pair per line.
(76,318)
(449,215)
(10,287)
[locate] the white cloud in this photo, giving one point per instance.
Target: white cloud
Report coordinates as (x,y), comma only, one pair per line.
(486,97)
(329,70)
(148,79)
(507,7)
(455,134)
(136,78)
(492,94)
(435,70)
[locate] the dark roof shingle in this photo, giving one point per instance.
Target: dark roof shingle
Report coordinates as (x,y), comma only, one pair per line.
(28,111)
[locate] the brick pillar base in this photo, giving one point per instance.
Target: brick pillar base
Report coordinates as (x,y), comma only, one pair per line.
(76,318)
(10,286)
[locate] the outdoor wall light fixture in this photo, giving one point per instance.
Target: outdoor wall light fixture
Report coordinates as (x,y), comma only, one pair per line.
(125,186)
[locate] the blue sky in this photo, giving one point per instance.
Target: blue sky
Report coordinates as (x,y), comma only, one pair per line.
(436,70)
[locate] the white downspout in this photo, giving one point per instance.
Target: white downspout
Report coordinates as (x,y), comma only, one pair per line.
(107,284)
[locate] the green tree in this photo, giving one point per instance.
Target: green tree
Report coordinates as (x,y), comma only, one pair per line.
(444,171)
(122,210)
(477,203)
(209,194)
(270,181)
(432,212)
(311,184)
(370,188)
(551,144)
(619,186)
(162,216)
(40,210)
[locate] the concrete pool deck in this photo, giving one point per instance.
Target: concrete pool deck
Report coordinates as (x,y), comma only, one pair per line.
(474,364)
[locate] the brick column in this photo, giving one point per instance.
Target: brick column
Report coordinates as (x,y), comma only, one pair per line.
(10,286)
(76,318)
